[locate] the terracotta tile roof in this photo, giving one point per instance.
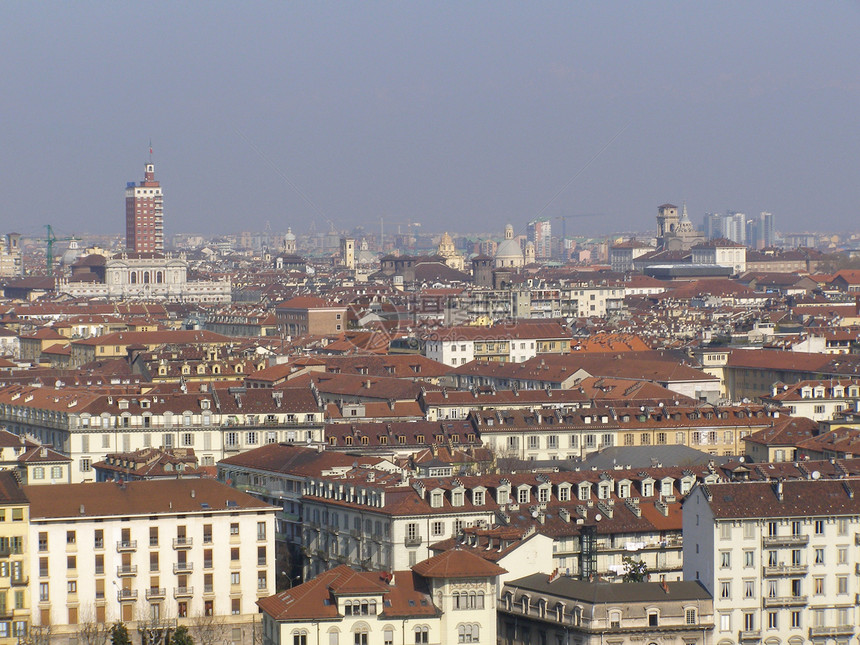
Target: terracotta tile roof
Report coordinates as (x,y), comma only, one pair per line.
(457,563)
(145,497)
(406,595)
(10,490)
(295,460)
(799,498)
(308,302)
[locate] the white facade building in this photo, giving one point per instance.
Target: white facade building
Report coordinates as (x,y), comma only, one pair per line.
(779,558)
(147,551)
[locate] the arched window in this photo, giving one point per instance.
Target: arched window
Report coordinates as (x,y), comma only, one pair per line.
(300,637)
(468,633)
(146,277)
(159,277)
(360,632)
(422,635)
(334,636)
(133,277)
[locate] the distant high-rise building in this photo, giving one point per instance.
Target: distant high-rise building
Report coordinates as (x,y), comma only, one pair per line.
(731,226)
(539,232)
(144,214)
(713,225)
(766,236)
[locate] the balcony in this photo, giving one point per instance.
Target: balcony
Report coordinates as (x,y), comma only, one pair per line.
(208,589)
(19,581)
(154,593)
(182,542)
(126,546)
(124,595)
(750,635)
(785,601)
(125,570)
(183,592)
(785,540)
(412,541)
(183,567)
(839,630)
(786,570)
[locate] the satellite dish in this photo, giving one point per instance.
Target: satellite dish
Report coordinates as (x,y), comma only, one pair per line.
(534,513)
(661,404)
(816,474)
(742,459)
(598,517)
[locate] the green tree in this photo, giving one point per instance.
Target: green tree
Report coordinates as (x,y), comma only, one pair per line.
(119,634)
(181,636)
(634,570)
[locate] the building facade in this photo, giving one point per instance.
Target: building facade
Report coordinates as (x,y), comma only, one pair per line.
(779,558)
(144,214)
(147,552)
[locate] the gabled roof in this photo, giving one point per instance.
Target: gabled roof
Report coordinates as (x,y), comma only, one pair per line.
(457,563)
(404,596)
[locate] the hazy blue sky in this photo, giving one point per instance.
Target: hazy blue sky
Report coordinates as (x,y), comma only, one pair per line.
(461,115)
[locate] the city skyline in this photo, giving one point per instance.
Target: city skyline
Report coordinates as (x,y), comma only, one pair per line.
(482,114)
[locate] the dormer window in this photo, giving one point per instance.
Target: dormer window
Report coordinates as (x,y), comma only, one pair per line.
(436,499)
(457,498)
(478,498)
(584,491)
(204,404)
(524,495)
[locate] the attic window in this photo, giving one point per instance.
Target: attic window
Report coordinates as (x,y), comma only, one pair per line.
(123,404)
(144,403)
(204,404)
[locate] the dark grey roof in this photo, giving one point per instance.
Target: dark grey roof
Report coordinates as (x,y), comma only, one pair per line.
(650,456)
(684,269)
(610,592)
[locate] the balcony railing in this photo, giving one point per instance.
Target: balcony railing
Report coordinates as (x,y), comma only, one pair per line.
(750,635)
(154,593)
(126,594)
(838,630)
(785,601)
(412,541)
(126,545)
(787,570)
(183,592)
(785,540)
(183,567)
(182,542)
(126,570)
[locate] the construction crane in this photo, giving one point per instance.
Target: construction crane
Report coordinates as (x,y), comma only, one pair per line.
(564,219)
(49,239)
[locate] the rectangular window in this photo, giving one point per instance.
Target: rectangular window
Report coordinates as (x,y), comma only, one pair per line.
(261,530)
(234,528)
(234,577)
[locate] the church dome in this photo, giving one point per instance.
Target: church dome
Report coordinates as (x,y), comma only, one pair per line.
(509,253)
(73,253)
